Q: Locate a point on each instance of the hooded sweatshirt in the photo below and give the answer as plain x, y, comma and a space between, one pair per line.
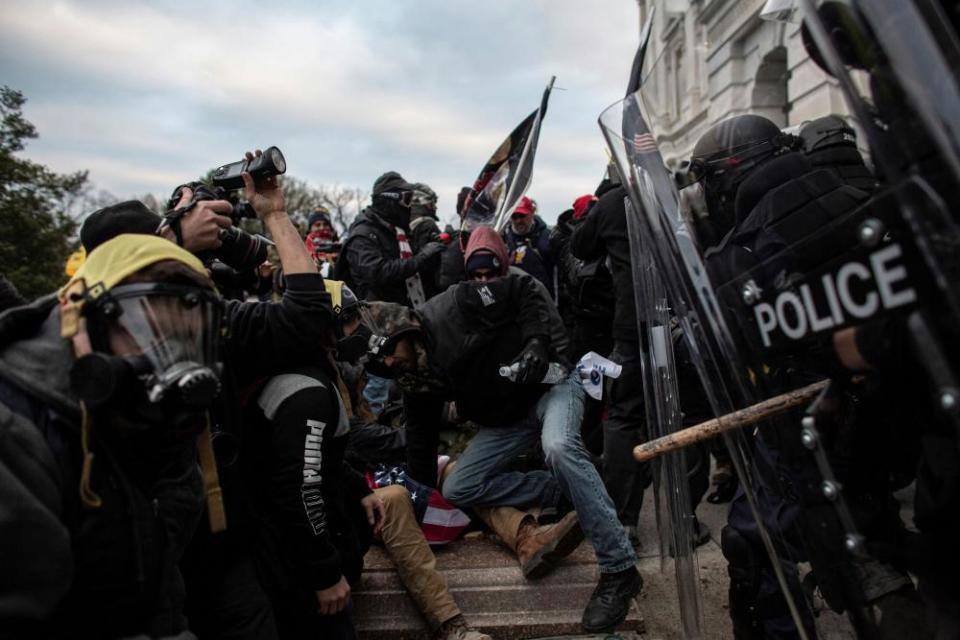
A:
469, 331
486, 239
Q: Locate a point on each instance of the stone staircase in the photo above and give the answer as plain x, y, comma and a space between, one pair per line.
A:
492, 594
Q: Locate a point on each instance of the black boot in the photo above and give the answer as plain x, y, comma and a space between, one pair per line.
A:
610, 601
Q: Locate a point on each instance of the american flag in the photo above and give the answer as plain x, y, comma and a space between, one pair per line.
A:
440, 521
645, 143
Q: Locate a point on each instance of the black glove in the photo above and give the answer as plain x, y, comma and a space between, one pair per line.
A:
429, 250
533, 361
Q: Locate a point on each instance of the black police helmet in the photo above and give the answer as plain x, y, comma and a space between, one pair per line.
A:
734, 134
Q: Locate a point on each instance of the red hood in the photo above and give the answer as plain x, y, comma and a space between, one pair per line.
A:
484, 238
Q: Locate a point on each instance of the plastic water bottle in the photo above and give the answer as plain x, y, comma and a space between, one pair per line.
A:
556, 372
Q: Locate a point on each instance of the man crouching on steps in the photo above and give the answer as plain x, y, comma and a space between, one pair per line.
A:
452, 349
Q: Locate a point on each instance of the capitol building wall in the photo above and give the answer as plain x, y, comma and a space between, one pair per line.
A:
711, 59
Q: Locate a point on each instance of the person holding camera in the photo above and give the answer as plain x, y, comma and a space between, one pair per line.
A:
260, 339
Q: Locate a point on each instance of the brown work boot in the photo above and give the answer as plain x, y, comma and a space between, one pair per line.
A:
539, 549
456, 628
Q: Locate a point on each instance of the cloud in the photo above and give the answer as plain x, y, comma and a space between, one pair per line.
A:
348, 89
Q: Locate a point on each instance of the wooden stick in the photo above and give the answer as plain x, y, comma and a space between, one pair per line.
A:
737, 420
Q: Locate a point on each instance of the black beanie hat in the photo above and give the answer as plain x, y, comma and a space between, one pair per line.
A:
317, 216
391, 181
105, 224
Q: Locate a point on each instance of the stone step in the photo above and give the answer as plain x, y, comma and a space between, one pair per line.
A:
490, 590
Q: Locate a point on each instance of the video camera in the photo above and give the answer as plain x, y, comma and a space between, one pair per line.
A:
239, 250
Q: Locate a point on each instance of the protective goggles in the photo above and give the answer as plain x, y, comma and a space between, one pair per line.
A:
403, 198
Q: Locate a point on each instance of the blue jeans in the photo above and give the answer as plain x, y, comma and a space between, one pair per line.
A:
479, 479
377, 393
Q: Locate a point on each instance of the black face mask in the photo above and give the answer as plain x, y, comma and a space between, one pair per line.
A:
394, 207
351, 348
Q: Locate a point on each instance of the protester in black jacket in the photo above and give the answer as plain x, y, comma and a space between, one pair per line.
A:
310, 508
451, 261
101, 490
451, 266
424, 231
373, 261
604, 232
452, 349
423, 217
585, 298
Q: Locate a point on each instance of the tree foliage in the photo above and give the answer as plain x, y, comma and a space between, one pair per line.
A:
36, 229
303, 198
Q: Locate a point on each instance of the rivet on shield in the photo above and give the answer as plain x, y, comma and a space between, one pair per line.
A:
830, 489
870, 232
809, 438
948, 400
751, 292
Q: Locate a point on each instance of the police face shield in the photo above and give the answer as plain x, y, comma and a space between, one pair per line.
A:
804, 257
165, 335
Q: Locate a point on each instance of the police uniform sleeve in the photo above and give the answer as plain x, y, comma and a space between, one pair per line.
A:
306, 461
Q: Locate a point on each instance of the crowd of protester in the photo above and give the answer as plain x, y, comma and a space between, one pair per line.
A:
195, 443
284, 387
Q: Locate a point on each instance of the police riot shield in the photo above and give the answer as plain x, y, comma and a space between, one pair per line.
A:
820, 319
676, 523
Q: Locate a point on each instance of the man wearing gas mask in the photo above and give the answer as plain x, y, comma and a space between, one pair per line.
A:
259, 339
105, 390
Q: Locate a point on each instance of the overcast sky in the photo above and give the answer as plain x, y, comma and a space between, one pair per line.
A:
147, 95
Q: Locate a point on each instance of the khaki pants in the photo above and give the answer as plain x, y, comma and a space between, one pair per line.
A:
505, 522
415, 561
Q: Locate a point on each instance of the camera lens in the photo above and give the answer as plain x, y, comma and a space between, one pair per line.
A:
241, 250
278, 161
